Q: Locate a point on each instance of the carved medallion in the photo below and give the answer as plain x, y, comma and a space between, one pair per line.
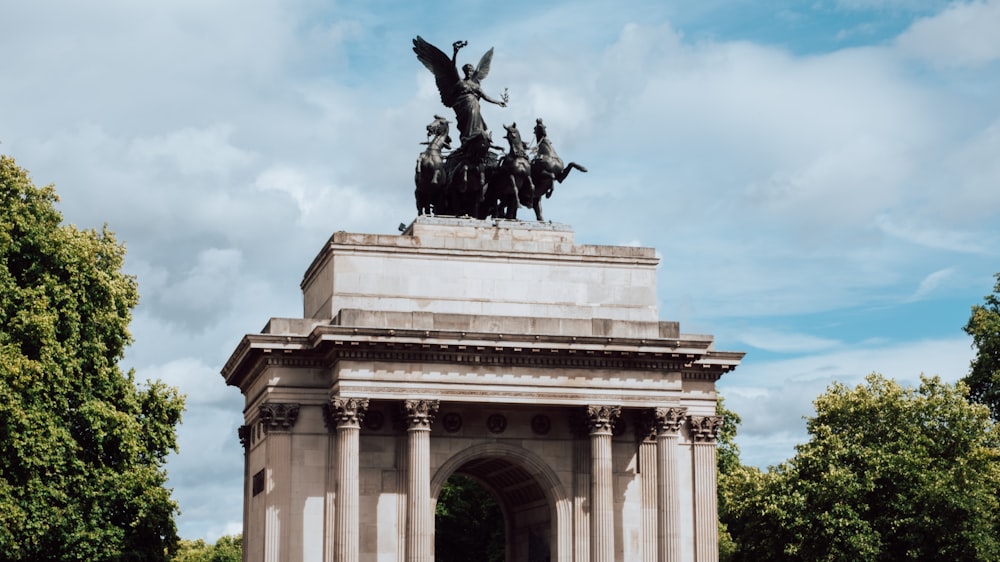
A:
496, 423
541, 424
452, 422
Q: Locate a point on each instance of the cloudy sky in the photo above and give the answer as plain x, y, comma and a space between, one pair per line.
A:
822, 179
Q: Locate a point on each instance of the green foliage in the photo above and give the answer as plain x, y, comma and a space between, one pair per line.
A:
81, 446
728, 461
889, 473
468, 524
984, 372
226, 549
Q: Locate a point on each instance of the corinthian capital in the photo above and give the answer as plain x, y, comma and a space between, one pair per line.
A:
668, 419
705, 429
601, 418
276, 416
347, 411
419, 414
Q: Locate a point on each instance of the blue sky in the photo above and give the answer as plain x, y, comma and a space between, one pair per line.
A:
821, 180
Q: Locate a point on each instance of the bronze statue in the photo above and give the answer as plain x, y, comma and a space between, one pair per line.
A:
460, 94
546, 168
473, 180
511, 183
430, 177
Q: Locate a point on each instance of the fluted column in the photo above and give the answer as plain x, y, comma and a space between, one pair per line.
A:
346, 414
646, 435
668, 516
581, 499
245, 433
704, 431
600, 420
419, 415
277, 420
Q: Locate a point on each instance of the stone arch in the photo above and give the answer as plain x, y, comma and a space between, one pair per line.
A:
534, 478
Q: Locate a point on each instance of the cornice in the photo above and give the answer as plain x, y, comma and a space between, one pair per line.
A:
327, 344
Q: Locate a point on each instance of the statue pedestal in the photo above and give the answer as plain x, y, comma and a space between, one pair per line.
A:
497, 268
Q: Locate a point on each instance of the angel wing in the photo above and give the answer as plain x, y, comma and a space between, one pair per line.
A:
445, 73
483, 68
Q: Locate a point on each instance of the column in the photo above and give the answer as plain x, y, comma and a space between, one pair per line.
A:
600, 419
668, 515
704, 430
419, 415
245, 433
277, 420
346, 414
581, 495
645, 430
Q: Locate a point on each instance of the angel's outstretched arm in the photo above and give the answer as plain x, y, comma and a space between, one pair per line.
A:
501, 103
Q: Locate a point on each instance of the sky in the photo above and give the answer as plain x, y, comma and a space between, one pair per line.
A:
820, 179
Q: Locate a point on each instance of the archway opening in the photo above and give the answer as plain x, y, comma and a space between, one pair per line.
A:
494, 510
468, 523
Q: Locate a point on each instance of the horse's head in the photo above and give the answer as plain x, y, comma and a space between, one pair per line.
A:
438, 127
539, 129
513, 137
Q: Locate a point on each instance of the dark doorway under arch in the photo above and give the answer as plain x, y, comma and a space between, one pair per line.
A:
492, 509
468, 523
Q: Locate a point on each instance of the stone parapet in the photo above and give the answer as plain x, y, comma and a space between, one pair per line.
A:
464, 266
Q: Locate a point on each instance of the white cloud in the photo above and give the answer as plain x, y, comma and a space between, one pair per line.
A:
773, 397
193, 151
931, 283
963, 35
932, 236
785, 342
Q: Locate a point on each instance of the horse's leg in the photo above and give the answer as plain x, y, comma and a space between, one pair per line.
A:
538, 209
511, 206
569, 167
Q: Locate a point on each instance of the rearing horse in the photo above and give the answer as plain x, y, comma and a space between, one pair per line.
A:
430, 177
547, 168
512, 181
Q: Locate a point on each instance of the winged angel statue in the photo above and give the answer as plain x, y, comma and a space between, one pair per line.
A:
460, 94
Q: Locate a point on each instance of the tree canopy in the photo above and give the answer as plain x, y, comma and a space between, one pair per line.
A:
227, 549
889, 473
81, 444
984, 372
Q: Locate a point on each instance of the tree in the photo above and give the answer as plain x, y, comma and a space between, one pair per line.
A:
728, 461
227, 549
469, 524
81, 445
984, 372
889, 473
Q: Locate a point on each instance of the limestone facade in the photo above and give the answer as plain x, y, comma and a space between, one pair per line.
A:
499, 350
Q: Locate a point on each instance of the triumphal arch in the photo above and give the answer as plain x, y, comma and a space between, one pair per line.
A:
500, 350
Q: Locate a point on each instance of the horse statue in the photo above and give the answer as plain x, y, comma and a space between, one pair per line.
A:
469, 171
511, 183
547, 168
430, 177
